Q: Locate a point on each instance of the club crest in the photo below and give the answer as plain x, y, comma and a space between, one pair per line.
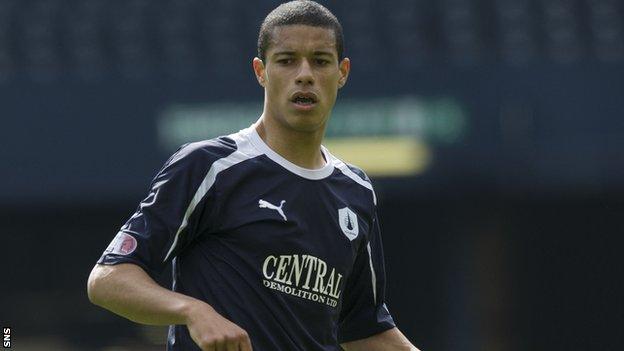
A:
348, 222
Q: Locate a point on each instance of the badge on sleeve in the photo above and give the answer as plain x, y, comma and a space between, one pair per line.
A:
122, 244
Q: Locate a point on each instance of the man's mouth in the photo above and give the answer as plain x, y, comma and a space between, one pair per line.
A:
304, 100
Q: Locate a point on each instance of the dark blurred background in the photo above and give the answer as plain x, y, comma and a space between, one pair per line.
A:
503, 231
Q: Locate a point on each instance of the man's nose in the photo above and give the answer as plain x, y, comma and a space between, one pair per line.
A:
305, 76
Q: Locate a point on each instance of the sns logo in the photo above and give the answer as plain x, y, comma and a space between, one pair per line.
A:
348, 222
6, 338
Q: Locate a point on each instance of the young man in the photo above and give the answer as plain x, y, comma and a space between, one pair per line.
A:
274, 242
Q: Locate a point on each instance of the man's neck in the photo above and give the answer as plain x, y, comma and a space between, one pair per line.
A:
300, 148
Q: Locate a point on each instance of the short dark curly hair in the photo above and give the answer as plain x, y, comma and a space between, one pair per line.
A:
305, 12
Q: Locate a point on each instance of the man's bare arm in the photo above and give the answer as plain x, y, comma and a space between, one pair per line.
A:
390, 340
127, 290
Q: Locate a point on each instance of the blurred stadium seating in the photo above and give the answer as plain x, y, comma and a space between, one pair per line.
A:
133, 39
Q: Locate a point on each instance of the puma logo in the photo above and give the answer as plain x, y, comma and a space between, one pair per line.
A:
266, 204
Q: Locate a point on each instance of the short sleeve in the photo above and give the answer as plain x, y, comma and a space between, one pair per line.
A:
167, 219
364, 312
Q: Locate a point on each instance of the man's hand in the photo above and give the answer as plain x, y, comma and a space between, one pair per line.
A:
213, 332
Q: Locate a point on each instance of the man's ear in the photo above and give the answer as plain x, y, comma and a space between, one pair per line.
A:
259, 70
344, 67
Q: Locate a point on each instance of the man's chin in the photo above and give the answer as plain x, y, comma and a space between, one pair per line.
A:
305, 122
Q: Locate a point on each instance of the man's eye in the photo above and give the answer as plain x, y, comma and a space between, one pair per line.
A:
321, 62
284, 61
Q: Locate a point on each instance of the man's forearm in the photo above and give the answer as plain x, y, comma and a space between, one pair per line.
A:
128, 291
390, 340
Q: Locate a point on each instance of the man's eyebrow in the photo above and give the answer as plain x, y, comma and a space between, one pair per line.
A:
323, 53
283, 53
292, 53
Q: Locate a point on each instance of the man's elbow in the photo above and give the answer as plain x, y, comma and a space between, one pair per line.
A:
95, 284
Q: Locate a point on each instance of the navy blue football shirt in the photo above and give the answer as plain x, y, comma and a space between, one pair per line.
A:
291, 255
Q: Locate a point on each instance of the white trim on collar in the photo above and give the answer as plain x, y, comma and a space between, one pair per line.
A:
313, 174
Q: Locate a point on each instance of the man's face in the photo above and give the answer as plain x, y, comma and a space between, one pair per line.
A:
301, 76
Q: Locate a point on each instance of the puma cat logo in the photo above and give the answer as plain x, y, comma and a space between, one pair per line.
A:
266, 204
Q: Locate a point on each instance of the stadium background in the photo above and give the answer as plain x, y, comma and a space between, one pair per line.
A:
494, 132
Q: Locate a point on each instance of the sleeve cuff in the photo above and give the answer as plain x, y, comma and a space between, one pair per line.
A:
111, 260
363, 333
364, 325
